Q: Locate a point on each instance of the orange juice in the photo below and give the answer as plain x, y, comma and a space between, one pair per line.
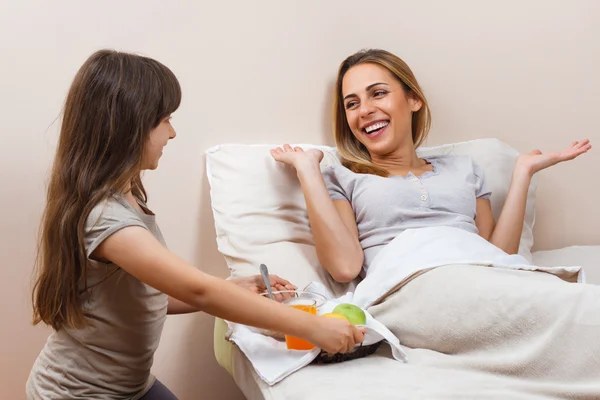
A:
308, 305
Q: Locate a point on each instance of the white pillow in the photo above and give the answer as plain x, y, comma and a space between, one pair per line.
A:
260, 213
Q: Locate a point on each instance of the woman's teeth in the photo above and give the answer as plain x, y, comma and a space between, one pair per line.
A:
375, 127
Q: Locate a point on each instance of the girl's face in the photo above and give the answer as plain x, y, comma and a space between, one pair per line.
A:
378, 110
157, 140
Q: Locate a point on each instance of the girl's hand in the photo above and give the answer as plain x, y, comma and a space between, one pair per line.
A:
296, 157
535, 161
255, 284
335, 335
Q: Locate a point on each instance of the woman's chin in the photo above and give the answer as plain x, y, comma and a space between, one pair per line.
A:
381, 148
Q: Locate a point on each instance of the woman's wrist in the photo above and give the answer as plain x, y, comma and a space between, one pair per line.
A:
307, 168
522, 172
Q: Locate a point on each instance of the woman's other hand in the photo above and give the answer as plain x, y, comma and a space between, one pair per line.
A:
536, 161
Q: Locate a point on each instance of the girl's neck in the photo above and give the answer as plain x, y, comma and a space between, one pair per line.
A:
130, 198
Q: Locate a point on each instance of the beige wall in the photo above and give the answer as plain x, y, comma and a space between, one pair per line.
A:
523, 71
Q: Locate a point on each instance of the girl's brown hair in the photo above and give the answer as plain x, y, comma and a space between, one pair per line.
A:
354, 154
114, 101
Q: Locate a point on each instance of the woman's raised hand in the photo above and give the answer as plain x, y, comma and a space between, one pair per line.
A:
296, 156
536, 161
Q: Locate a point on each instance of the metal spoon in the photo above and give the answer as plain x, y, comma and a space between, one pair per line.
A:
265, 275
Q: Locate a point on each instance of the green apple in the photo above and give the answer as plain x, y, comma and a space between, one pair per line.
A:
352, 313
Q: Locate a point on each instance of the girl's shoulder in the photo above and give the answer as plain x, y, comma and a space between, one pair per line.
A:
113, 207
114, 212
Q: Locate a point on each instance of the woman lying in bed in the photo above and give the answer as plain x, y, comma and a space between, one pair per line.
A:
383, 188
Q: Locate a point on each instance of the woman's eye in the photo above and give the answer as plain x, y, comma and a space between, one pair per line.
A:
379, 93
350, 104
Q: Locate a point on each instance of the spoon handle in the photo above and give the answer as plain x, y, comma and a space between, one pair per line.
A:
265, 275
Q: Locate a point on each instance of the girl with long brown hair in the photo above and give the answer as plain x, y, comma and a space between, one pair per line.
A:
105, 280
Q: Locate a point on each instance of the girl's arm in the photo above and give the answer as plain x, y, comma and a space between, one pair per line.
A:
332, 223
139, 253
254, 284
179, 307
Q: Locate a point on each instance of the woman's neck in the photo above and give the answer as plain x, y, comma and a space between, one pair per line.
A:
399, 162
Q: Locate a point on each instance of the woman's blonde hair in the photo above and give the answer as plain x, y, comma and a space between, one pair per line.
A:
355, 155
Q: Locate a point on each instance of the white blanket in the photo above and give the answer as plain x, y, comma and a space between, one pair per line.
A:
417, 250
411, 253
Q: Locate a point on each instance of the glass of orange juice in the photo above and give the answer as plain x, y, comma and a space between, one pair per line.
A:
304, 304
302, 300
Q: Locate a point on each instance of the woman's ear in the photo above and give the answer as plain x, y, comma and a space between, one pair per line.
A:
414, 102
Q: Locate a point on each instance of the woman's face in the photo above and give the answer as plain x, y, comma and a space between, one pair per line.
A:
157, 140
378, 110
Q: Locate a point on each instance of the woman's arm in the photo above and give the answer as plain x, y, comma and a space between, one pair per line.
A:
506, 233
332, 223
484, 218
139, 253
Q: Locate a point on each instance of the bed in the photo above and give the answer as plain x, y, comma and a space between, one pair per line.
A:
260, 217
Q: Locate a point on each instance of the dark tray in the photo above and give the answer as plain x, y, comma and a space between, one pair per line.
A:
359, 352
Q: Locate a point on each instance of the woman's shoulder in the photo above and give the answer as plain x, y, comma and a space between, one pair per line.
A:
336, 169
447, 157
457, 164
340, 180
344, 175
451, 160
338, 172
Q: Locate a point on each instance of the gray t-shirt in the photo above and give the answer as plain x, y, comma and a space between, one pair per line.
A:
385, 207
110, 359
